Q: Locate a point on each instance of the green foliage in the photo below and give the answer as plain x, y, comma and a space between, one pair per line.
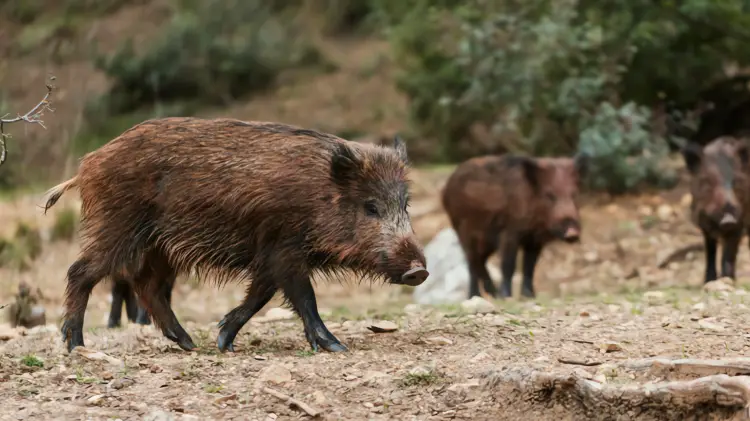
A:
21, 11
212, 51
624, 152
66, 223
540, 76
18, 253
32, 360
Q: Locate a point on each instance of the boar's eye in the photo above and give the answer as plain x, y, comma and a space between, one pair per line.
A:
371, 209
551, 197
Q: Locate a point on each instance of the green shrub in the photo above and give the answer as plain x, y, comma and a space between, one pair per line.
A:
540, 76
212, 51
23, 249
66, 223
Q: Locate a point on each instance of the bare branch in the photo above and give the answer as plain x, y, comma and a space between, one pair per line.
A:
34, 116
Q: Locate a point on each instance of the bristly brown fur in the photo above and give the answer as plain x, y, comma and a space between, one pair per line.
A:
234, 200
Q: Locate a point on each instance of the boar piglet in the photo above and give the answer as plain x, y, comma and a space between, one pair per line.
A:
506, 202
719, 207
229, 199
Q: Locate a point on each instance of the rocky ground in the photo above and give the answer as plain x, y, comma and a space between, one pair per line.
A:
609, 325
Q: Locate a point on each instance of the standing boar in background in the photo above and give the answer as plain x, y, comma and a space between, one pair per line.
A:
719, 208
506, 202
122, 293
236, 199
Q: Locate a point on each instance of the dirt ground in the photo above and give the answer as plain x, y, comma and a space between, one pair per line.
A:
600, 304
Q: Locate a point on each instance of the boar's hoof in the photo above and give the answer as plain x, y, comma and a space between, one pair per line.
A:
225, 341
183, 340
72, 336
328, 346
322, 338
111, 324
414, 276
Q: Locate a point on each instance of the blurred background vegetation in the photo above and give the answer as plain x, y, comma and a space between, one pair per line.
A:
626, 81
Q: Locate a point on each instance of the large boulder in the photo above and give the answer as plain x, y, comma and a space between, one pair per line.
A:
448, 282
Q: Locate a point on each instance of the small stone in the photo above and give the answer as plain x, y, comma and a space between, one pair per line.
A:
412, 308
94, 400
708, 324
260, 357
383, 327
699, 306
497, 321
479, 357
609, 347
275, 374
121, 383
591, 256
106, 375
439, 340
271, 417
477, 305
584, 313
368, 405
721, 284
319, 398
654, 297
420, 371
665, 212
155, 369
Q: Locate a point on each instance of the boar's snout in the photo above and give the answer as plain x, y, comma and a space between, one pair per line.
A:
414, 276
569, 231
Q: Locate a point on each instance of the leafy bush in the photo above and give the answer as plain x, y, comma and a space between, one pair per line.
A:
624, 152
66, 223
212, 51
542, 76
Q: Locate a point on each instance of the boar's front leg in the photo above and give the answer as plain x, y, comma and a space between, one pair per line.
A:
259, 293
531, 252
710, 244
299, 292
730, 245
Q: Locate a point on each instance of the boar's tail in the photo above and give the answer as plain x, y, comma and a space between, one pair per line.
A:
56, 192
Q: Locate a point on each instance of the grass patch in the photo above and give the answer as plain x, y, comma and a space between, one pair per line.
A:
420, 378
32, 361
213, 388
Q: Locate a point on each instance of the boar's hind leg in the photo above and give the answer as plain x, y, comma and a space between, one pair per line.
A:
83, 276
259, 293
531, 252
142, 317
710, 244
120, 291
299, 292
477, 252
729, 247
153, 287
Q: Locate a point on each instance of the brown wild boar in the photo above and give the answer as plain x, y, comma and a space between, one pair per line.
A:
234, 199
506, 202
720, 192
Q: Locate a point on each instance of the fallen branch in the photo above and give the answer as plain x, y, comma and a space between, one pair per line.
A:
34, 116
292, 402
578, 362
697, 399
680, 254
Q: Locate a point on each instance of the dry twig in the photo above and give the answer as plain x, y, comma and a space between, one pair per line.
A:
34, 116
680, 254
578, 362
292, 402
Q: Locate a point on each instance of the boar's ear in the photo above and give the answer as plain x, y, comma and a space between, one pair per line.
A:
400, 146
530, 169
581, 163
692, 153
344, 165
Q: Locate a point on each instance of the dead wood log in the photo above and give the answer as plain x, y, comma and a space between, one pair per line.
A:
711, 397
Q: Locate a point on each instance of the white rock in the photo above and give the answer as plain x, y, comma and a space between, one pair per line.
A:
448, 282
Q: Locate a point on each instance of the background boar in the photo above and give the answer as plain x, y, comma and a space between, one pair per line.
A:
503, 202
719, 208
238, 199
